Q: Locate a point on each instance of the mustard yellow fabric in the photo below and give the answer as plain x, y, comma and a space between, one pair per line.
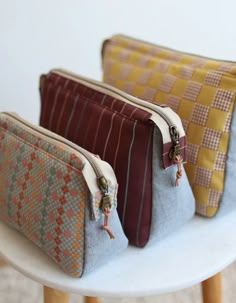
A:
200, 90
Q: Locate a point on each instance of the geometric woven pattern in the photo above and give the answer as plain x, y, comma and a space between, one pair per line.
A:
200, 114
167, 83
42, 196
222, 100
213, 79
192, 90
200, 90
211, 138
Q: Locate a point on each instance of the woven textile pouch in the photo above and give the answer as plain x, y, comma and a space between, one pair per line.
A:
202, 92
138, 139
59, 196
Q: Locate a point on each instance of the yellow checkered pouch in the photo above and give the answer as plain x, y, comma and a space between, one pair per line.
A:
202, 92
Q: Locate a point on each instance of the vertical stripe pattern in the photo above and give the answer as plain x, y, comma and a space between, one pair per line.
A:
144, 189
118, 132
71, 115
53, 107
128, 174
109, 133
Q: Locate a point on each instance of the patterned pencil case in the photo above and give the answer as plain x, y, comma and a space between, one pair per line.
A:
60, 196
144, 143
202, 91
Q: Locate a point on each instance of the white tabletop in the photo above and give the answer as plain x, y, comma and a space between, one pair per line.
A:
199, 250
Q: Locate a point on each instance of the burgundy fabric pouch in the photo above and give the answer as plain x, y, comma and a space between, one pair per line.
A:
120, 129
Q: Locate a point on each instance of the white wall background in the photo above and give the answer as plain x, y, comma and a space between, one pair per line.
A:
37, 35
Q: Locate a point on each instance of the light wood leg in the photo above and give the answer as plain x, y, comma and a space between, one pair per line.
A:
212, 289
91, 300
55, 296
2, 263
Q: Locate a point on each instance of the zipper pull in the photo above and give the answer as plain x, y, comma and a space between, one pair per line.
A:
106, 209
178, 161
175, 153
105, 205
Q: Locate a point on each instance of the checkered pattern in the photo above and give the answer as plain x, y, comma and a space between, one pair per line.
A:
211, 138
213, 79
108, 67
144, 77
143, 61
153, 51
220, 160
223, 99
123, 55
192, 91
199, 62
228, 123
162, 66
149, 94
192, 153
214, 198
124, 73
175, 56
226, 67
201, 209
173, 102
203, 177
129, 87
211, 85
167, 83
186, 72
200, 114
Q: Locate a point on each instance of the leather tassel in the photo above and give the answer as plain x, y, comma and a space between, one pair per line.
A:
106, 226
178, 161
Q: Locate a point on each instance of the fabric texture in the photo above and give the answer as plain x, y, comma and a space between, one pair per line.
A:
172, 206
31, 202
200, 90
44, 195
118, 132
104, 250
227, 203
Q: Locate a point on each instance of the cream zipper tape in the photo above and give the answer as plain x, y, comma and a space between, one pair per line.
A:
163, 117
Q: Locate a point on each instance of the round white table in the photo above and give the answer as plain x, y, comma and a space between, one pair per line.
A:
202, 248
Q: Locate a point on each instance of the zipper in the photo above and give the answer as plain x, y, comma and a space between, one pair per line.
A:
101, 180
154, 109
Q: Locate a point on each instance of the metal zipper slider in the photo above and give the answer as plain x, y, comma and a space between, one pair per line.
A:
175, 153
105, 205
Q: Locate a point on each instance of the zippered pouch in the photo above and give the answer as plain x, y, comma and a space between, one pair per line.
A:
144, 143
60, 196
202, 92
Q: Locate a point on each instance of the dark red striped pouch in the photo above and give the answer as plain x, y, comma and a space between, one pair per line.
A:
144, 143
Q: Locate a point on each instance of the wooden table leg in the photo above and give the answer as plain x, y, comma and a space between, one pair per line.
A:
91, 300
55, 296
212, 289
2, 263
